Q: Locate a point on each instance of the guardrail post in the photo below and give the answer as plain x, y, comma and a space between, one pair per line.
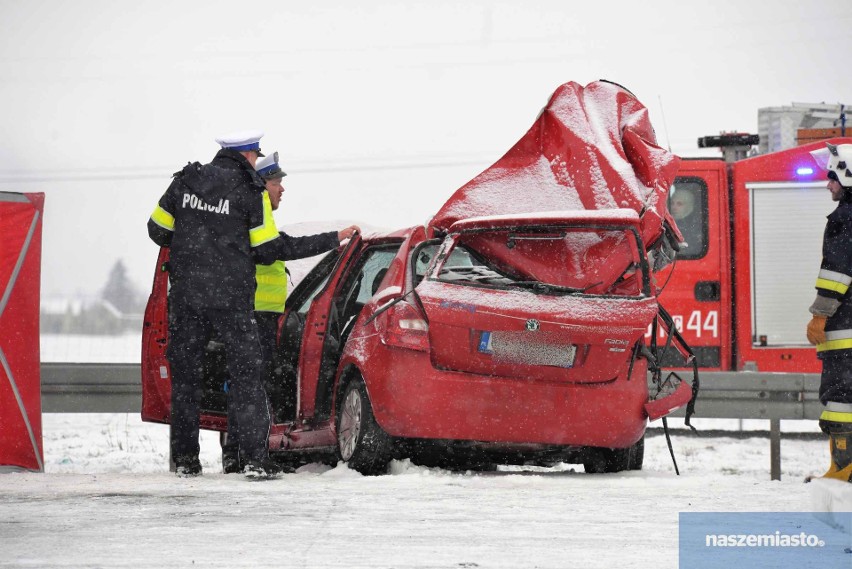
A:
172, 465
775, 449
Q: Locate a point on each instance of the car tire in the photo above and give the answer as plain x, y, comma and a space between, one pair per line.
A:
361, 442
606, 460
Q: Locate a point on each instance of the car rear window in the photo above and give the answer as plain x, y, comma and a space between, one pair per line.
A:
565, 260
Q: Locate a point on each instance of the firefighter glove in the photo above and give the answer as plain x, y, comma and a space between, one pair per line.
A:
816, 330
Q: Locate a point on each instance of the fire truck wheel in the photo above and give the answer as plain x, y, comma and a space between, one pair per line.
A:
602, 460
361, 442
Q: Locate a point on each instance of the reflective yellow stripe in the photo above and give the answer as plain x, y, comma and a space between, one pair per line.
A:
843, 344
836, 340
163, 218
834, 286
836, 416
266, 232
271, 293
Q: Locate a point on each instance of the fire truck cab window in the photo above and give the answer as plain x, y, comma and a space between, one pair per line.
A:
688, 206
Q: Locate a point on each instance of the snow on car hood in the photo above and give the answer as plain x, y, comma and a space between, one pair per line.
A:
591, 148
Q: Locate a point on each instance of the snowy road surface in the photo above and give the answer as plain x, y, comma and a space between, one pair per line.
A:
107, 500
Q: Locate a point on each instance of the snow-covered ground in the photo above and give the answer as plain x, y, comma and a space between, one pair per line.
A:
117, 349
106, 499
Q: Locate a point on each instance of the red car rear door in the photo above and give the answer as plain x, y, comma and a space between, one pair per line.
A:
156, 383
317, 325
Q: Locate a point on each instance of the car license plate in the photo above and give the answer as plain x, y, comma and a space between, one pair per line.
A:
485, 343
517, 348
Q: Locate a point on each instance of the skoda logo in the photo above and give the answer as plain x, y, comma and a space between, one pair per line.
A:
533, 324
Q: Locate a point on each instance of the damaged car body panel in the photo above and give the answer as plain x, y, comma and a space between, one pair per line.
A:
591, 148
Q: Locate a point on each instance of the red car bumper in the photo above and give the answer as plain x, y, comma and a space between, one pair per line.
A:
413, 399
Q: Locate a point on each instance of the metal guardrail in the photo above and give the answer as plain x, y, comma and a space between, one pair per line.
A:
759, 395
117, 388
91, 388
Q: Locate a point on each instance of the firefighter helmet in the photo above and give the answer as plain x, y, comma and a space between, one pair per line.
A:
837, 159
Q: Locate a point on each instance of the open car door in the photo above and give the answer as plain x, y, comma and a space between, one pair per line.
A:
156, 383
322, 333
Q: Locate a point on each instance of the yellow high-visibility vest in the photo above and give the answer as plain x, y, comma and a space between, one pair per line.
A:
271, 293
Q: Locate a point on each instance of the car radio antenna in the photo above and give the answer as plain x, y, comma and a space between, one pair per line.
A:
665, 125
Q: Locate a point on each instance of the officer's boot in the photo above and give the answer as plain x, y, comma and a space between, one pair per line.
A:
231, 463
840, 446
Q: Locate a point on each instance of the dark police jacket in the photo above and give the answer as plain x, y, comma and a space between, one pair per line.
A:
834, 280
217, 220
291, 248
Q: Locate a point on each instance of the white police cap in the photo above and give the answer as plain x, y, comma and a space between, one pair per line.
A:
242, 141
268, 167
837, 159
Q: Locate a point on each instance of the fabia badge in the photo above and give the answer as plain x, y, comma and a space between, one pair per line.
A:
533, 324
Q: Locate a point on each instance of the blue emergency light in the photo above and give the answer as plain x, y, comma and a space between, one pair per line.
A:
804, 171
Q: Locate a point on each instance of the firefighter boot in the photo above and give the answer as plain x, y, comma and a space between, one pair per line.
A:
840, 446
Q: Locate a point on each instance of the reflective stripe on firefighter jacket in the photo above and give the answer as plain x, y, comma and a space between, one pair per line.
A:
217, 221
837, 412
271, 294
834, 280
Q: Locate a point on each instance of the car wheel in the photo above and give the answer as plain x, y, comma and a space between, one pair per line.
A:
637, 455
361, 442
601, 460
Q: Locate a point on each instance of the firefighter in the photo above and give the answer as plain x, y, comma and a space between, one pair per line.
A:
830, 329
217, 221
271, 293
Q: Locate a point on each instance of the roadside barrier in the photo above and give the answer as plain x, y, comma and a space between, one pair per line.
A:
117, 388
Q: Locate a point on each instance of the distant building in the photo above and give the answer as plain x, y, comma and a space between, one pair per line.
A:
785, 127
86, 316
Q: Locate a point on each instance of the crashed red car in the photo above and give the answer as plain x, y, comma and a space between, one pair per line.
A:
511, 328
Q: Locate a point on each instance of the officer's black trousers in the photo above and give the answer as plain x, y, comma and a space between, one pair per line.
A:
190, 328
267, 328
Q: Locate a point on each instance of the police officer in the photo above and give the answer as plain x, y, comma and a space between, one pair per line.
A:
217, 220
271, 293
830, 329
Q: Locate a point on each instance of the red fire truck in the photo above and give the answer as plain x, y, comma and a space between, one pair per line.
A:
740, 291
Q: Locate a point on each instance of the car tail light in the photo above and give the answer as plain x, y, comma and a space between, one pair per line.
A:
405, 327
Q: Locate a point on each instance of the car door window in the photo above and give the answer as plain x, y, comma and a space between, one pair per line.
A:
300, 299
306, 304
373, 272
364, 281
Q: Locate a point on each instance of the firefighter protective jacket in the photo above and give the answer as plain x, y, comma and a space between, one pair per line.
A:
217, 220
271, 294
833, 282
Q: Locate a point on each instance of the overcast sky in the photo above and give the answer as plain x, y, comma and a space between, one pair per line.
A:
380, 109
